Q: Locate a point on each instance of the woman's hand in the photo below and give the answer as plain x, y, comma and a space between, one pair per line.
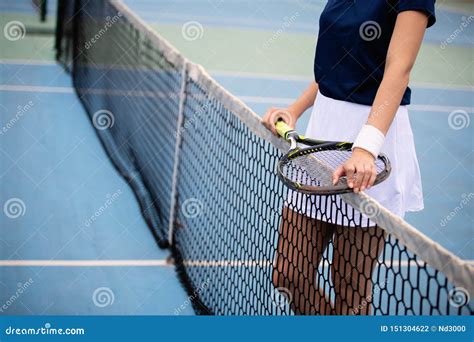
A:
293, 112
274, 114
359, 169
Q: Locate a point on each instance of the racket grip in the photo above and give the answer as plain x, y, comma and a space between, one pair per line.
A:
282, 128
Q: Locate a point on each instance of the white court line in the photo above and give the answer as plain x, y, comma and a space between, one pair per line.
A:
84, 263
227, 263
163, 262
439, 109
306, 79
441, 86
247, 99
421, 108
27, 62
255, 75
69, 90
273, 77
36, 89
449, 8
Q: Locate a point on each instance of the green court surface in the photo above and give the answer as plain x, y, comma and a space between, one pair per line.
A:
33, 46
291, 54
466, 6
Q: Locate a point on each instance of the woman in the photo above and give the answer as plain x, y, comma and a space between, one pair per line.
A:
364, 55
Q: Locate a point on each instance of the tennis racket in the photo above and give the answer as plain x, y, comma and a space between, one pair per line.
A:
309, 169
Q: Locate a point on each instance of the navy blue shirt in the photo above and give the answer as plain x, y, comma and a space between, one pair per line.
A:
353, 41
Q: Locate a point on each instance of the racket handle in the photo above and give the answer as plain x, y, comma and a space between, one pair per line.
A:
282, 128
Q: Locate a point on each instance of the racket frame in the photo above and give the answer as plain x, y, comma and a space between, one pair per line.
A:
314, 146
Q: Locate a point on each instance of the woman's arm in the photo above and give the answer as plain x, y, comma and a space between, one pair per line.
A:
294, 111
404, 46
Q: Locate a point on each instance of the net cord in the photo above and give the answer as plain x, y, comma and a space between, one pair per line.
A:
179, 134
460, 272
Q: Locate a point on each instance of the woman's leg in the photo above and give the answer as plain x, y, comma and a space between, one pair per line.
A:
301, 244
356, 251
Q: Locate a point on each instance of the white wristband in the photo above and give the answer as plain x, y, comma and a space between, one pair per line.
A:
370, 139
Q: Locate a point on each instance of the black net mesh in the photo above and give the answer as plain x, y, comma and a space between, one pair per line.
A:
131, 93
64, 33
41, 7
243, 244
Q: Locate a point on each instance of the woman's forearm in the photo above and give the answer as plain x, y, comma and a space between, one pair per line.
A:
305, 101
387, 100
404, 46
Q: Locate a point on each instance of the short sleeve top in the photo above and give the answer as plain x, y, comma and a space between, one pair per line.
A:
353, 41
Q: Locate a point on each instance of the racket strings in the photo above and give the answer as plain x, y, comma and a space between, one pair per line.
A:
316, 169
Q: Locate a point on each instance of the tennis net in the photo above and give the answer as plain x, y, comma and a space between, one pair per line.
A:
41, 7
203, 169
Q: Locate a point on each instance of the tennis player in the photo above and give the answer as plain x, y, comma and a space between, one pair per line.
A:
364, 55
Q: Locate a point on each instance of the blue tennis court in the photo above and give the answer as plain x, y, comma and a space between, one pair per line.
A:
75, 237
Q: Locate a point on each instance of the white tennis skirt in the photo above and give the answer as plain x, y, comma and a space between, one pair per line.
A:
335, 120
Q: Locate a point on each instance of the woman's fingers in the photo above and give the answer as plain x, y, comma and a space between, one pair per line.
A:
340, 171
373, 176
273, 115
267, 120
364, 168
349, 169
360, 175
283, 114
367, 173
